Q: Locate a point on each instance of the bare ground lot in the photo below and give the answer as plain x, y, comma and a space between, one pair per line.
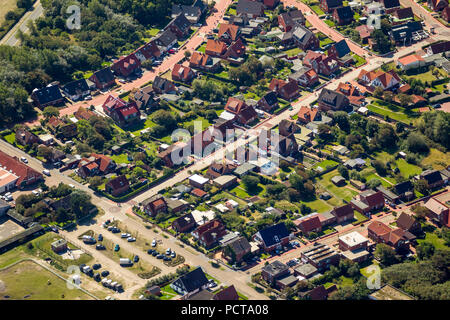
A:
8, 228
29, 281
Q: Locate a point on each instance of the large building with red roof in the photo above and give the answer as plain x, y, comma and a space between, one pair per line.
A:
123, 113
14, 173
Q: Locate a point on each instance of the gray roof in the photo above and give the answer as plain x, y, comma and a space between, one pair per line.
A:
306, 270
275, 267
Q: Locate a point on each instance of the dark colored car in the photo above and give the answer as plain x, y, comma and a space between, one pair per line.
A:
160, 256
149, 251
155, 253
96, 266
100, 247
136, 258
105, 273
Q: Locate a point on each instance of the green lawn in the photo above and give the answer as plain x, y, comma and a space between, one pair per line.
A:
318, 205
293, 52
240, 191
326, 163
437, 159
29, 281
434, 239
153, 32
426, 76
407, 169
359, 61
359, 217
340, 192
120, 158
391, 114
329, 22
317, 10
10, 138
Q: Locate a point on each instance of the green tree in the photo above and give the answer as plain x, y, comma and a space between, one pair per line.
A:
385, 254
250, 183
50, 112
425, 250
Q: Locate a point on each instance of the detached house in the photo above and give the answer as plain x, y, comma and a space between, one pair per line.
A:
286, 90
305, 77
192, 13
15, 173
48, 96
154, 205
272, 237
437, 211
83, 114
437, 5
343, 213
408, 223
125, 66
308, 224
228, 32
148, 51
204, 62
332, 100
251, 9
161, 85
76, 90
180, 26
385, 80
209, 233
26, 138
306, 114
236, 250
397, 239
321, 63
432, 177
215, 48
274, 271
329, 5
182, 73
217, 169
103, 78
244, 113
184, 223
405, 190
304, 38
412, 61
343, 15
290, 19
268, 102
96, 164
391, 5
190, 283
117, 186
368, 202
166, 40
123, 113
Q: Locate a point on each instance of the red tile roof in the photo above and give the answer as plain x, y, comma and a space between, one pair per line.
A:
379, 228
24, 172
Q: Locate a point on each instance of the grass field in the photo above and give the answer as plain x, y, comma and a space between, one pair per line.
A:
27, 280
407, 169
318, 205
317, 10
359, 61
120, 158
341, 192
10, 138
359, 217
6, 6
437, 159
434, 239
240, 191
399, 116
293, 52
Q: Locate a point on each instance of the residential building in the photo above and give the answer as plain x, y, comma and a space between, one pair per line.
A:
215, 48
180, 26
235, 250
274, 271
308, 224
59, 246
103, 78
391, 5
162, 85
354, 247
365, 32
166, 40
154, 205
408, 223
148, 51
198, 181
184, 223
432, 177
204, 62
16, 173
288, 20
385, 80
329, 5
117, 186
227, 294
190, 283
438, 47
388, 194
286, 90
306, 271
412, 61
76, 90
368, 202
320, 256
26, 138
182, 73
244, 114
332, 100
225, 181
437, 211
48, 96
251, 9
272, 237
306, 114
209, 233
343, 15
83, 114
269, 102
437, 5
143, 97
304, 38
343, 213
126, 65
123, 113
339, 49
397, 239
217, 169
228, 32
305, 77
405, 190
94, 165
192, 13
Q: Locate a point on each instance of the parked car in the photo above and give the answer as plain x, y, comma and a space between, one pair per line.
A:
105, 273
173, 255
155, 253
149, 251
168, 251
212, 283
131, 239
96, 266
116, 247
100, 247
160, 256
100, 237
167, 258
154, 243
136, 258
24, 160
46, 172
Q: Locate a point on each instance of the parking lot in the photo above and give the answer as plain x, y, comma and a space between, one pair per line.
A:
8, 228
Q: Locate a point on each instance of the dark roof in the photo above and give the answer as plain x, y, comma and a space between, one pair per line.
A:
118, 182
229, 293
432, 176
343, 210
76, 87
405, 221
404, 13
440, 47
303, 34
270, 98
200, 4
181, 22
333, 98
161, 83
402, 187
104, 75
333, 3
193, 280
249, 7
274, 234
63, 203
275, 268
48, 94
388, 4
342, 48
344, 13
240, 245
184, 221
166, 38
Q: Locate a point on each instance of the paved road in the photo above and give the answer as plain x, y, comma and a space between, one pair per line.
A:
11, 37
